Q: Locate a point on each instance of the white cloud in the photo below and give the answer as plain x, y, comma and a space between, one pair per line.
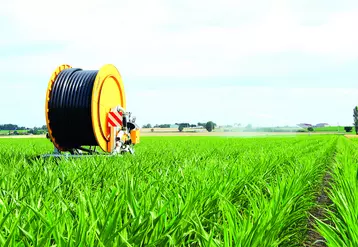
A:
186, 38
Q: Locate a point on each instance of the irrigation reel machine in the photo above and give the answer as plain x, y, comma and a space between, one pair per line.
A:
86, 109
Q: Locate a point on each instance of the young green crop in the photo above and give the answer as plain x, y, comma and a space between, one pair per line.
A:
191, 191
342, 229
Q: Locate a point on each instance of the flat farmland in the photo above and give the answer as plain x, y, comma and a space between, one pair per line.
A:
183, 191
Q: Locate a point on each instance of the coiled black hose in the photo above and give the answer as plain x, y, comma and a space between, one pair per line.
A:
70, 108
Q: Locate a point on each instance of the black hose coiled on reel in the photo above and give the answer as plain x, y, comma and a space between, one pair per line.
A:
70, 108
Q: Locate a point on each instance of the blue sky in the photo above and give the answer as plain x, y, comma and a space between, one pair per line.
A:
260, 62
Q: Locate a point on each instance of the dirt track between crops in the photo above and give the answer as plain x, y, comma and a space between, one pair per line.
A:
323, 201
351, 136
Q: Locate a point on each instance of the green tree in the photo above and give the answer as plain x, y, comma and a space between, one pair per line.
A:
185, 125
210, 126
181, 127
348, 128
355, 117
202, 124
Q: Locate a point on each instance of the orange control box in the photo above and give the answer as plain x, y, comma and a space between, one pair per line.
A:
135, 136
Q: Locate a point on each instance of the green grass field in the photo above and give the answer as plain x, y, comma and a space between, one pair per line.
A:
181, 191
330, 129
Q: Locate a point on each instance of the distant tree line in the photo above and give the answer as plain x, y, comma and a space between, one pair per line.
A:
14, 129
209, 126
148, 126
162, 126
186, 125
11, 127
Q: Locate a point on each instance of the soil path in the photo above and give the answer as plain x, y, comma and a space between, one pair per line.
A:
322, 201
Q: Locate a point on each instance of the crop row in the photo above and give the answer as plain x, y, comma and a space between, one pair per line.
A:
340, 228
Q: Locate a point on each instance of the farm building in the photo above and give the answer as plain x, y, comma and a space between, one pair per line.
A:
322, 125
304, 125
